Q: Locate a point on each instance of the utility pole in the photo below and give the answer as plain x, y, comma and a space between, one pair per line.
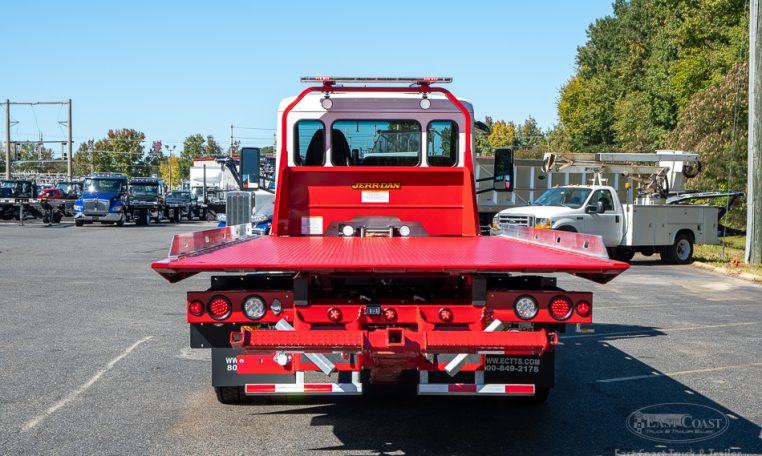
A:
7, 139
230, 151
68, 156
754, 193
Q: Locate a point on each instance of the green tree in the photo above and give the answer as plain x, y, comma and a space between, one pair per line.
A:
714, 125
120, 151
503, 134
196, 146
529, 134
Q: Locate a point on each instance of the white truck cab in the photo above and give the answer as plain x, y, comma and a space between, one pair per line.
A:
671, 230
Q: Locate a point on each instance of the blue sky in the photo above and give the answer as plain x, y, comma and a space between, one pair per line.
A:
171, 69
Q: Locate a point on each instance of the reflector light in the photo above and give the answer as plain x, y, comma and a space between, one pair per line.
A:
390, 314
276, 307
526, 307
220, 308
445, 314
196, 308
254, 307
583, 308
348, 230
334, 314
404, 231
560, 308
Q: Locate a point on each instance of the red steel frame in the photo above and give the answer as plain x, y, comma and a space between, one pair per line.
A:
328, 87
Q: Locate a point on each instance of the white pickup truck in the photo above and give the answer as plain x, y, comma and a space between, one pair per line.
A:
669, 229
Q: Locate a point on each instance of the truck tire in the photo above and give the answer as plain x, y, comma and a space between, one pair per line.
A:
567, 228
681, 252
79, 223
230, 394
621, 254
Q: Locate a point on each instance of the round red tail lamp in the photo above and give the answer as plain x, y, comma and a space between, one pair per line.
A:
560, 308
196, 308
220, 307
583, 308
445, 314
390, 314
334, 314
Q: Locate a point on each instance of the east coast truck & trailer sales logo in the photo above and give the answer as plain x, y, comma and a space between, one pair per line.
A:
677, 423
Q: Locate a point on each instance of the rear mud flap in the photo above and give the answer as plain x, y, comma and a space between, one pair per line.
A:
534, 370
225, 367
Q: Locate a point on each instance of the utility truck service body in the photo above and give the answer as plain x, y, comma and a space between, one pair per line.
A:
648, 223
375, 270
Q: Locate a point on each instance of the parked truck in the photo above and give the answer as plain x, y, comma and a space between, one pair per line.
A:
146, 200
644, 223
375, 271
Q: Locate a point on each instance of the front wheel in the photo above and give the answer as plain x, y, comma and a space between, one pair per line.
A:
79, 223
621, 254
681, 252
230, 394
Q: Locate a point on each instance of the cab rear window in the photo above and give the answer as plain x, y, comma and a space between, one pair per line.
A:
376, 143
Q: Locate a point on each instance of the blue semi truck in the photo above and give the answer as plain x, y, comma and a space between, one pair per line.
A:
112, 198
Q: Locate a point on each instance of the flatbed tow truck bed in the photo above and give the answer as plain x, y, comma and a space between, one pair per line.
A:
403, 255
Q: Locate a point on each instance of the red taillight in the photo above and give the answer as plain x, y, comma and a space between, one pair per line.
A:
220, 308
390, 314
196, 308
560, 308
583, 308
445, 314
334, 314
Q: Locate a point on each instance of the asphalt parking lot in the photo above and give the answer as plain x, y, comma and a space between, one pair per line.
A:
95, 361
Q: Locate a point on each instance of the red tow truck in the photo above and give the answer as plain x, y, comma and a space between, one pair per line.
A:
375, 271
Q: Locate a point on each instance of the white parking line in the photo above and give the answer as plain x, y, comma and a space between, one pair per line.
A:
675, 374
73, 395
633, 333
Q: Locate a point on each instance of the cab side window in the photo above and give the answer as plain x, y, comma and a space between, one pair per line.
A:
442, 143
605, 197
309, 143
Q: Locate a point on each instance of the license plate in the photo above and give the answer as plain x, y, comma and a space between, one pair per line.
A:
372, 310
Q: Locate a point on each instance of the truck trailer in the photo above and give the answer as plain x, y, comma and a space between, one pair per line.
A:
375, 271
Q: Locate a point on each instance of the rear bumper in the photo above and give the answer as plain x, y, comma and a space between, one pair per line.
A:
396, 340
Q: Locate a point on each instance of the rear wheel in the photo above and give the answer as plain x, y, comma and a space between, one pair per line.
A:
230, 394
681, 252
567, 228
79, 222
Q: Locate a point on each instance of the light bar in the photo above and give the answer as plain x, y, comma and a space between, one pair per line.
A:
359, 80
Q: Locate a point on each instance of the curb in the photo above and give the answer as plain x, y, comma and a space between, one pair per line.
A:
729, 272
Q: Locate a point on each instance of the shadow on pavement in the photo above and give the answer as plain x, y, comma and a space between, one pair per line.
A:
582, 416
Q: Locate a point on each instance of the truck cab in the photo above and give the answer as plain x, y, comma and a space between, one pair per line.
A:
146, 200
103, 200
578, 208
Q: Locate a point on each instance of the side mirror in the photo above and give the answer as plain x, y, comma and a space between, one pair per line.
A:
250, 167
597, 208
481, 126
503, 170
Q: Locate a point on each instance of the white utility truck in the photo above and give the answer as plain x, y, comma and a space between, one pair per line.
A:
646, 225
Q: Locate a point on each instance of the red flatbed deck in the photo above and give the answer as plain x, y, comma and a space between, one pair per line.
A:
393, 255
